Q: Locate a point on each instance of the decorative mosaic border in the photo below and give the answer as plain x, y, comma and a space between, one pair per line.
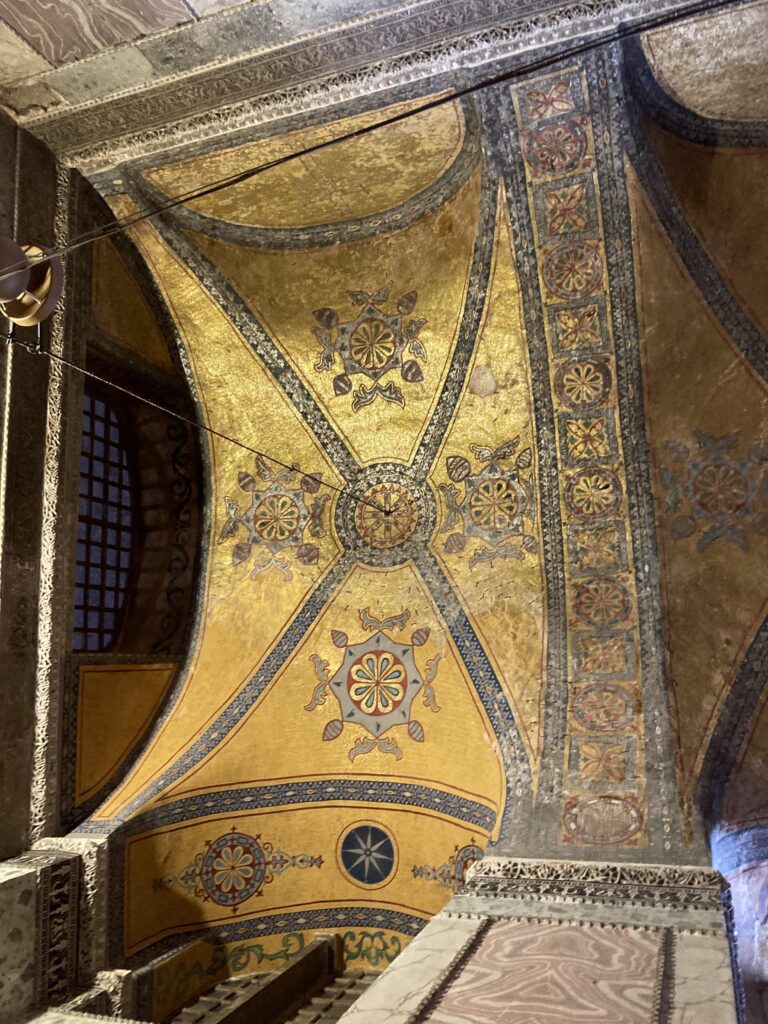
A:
287, 794
559, 118
327, 919
437, 36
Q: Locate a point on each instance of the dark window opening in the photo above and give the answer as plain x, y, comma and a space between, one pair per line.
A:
105, 527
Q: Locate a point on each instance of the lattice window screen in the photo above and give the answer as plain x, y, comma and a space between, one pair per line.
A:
105, 527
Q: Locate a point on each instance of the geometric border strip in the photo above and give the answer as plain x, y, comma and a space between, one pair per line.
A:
269, 85
328, 918
254, 798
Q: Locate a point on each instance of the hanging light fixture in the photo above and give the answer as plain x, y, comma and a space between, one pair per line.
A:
31, 282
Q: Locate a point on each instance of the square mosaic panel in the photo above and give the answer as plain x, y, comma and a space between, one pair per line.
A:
579, 328
566, 208
596, 549
588, 437
602, 655
547, 98
604, 764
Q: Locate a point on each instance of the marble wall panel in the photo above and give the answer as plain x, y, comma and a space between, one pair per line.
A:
411, 978
703, 987
17, 940
17, 58
555, 973
67, 30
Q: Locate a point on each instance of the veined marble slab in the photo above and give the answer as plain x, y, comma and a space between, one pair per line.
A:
405, 985
703, 985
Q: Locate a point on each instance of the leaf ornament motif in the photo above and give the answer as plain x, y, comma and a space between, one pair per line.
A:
508, 448
393, 621
407, 303
453, 502
390, 747
361, 746
233, 519
365, 396
482, 452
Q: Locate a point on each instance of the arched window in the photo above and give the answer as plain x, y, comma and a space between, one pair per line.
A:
105, 526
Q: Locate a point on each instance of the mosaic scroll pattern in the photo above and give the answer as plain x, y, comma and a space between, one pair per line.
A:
603, 797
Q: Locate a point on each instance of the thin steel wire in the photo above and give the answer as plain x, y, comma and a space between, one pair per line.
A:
122, 224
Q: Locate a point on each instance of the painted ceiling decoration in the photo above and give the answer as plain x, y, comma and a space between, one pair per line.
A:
510, 589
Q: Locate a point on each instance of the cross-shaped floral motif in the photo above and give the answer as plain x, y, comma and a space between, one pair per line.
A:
567, 209
602, 761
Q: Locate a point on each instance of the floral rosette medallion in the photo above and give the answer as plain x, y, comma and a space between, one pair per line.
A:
277, 519
233, 868
376, 684
371, 345
493, 503
714, 495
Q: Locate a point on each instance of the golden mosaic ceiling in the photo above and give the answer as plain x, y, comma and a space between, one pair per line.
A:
507, 586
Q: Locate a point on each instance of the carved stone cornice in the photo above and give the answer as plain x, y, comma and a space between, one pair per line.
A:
381, 53
644, 885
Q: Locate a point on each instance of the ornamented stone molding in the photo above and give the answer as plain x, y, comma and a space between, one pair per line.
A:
45, 765
583, 882
52, 879
439, 37
94, 895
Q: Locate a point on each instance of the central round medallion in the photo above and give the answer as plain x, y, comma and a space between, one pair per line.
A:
276, 518
233, 869
377, 682
372, 344
493, 504
367, 854
386, 516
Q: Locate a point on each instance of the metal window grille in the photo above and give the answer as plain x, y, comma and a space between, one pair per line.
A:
104, 528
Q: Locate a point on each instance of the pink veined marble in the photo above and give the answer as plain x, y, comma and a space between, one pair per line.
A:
541, 973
